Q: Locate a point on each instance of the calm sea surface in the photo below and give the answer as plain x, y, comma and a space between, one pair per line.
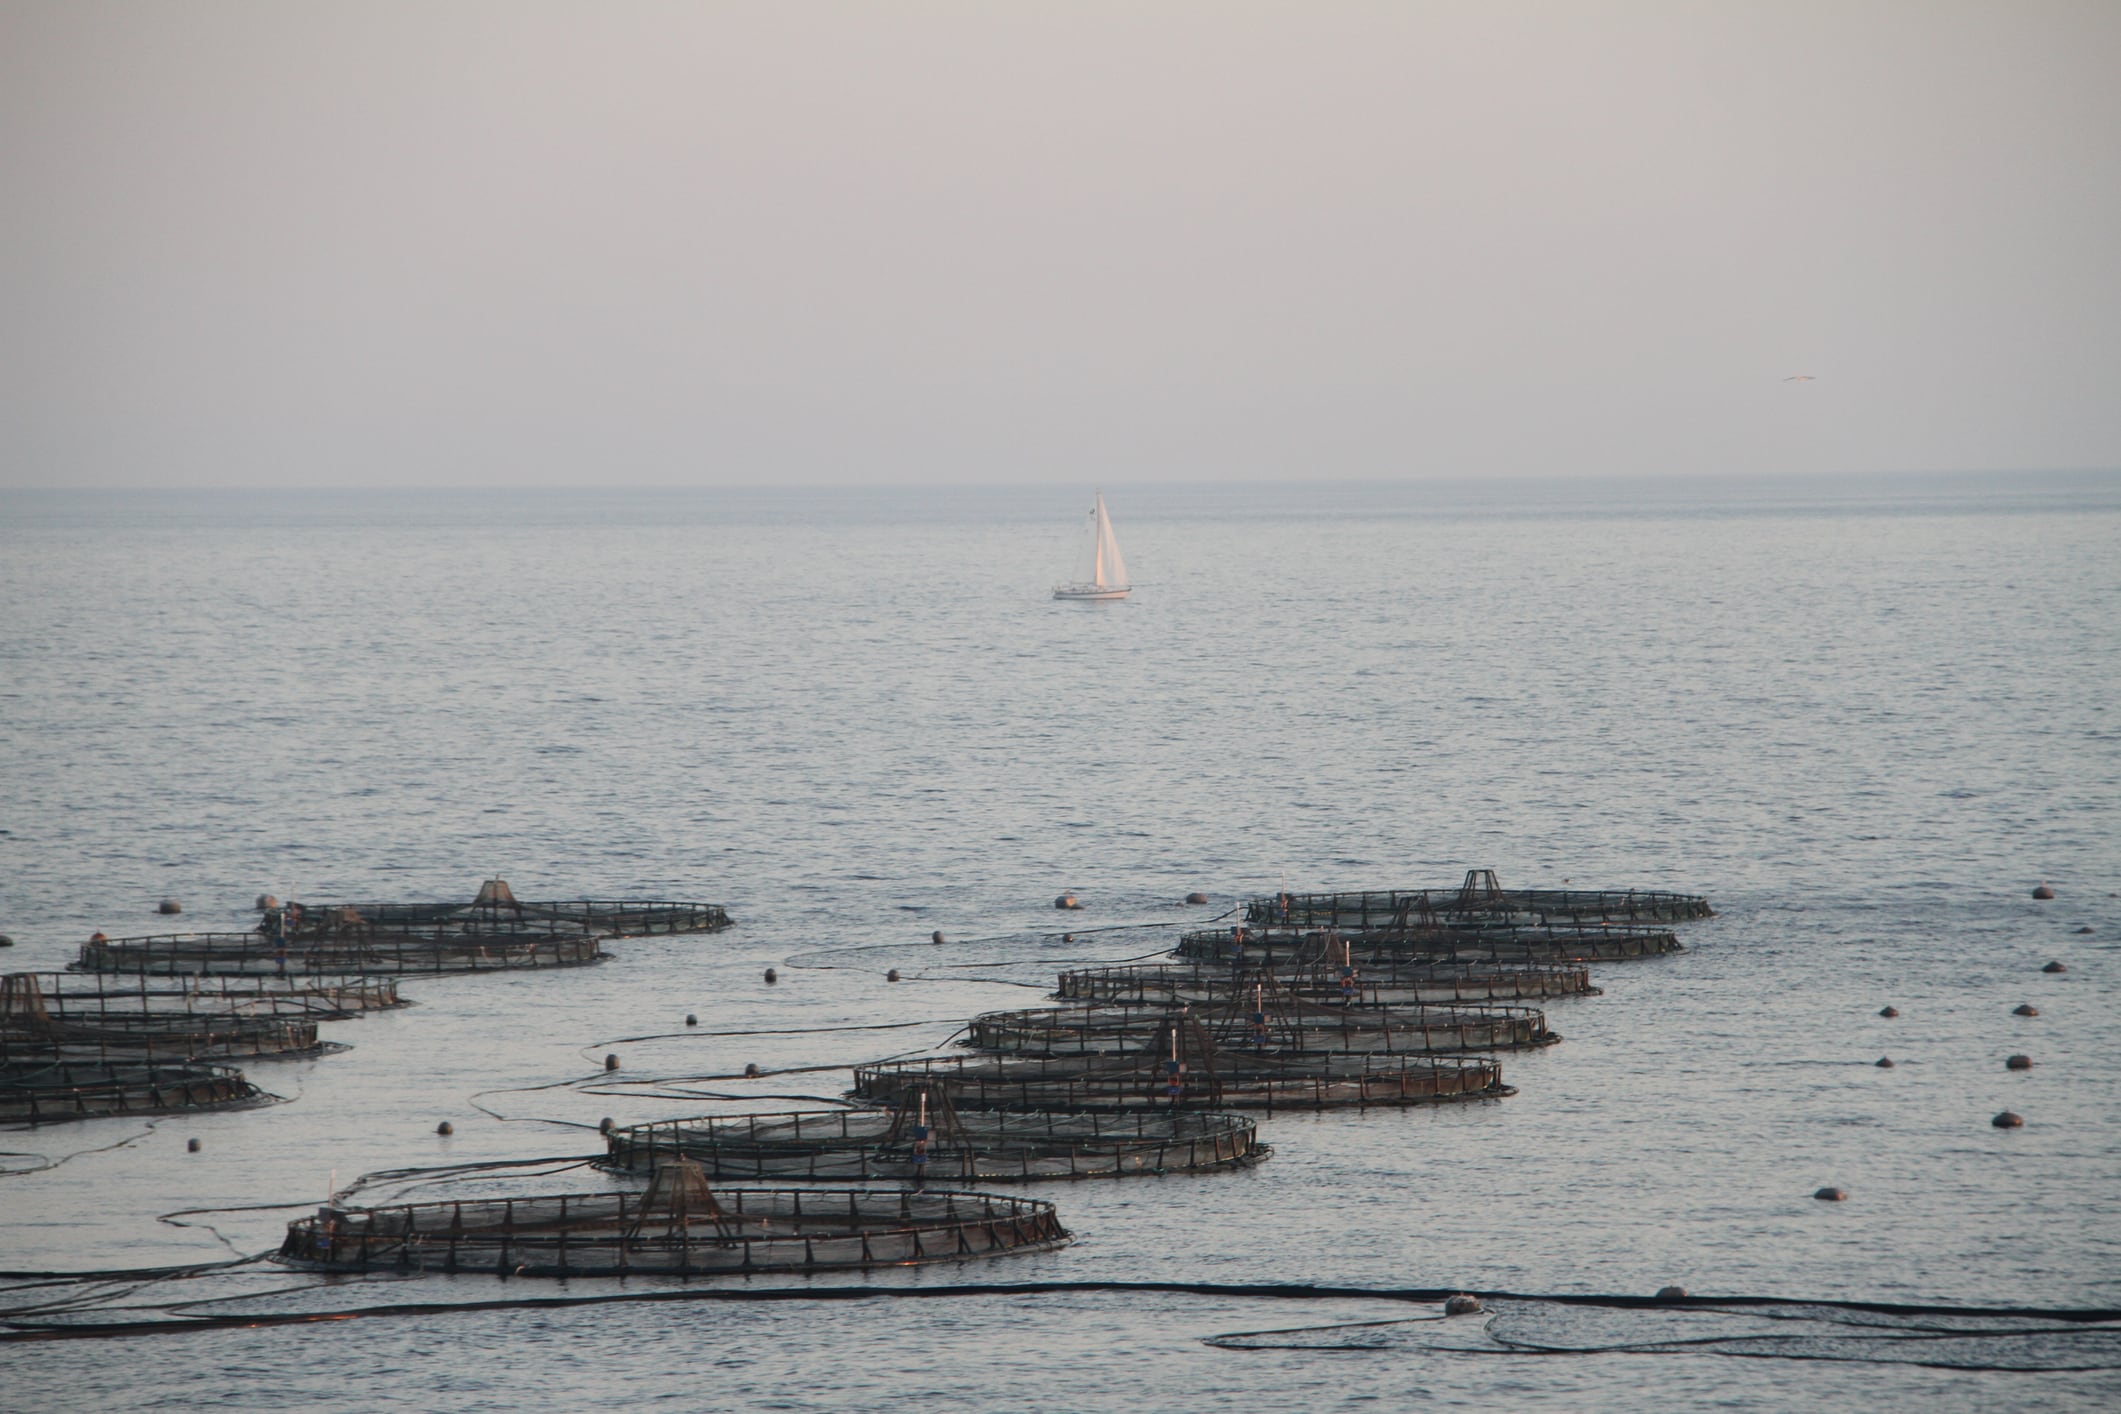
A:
1865, 717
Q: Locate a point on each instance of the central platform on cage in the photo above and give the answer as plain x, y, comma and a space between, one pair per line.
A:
680, 1227
925, 1138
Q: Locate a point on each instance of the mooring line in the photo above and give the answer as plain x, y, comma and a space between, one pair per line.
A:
51, 1163
689, 1032
2075, 1317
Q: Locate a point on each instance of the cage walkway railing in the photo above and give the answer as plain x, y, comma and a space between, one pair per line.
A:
34, 1091
1376, 985
255, 955
982, 1146
617, 1234
1234, 1082
1478, 895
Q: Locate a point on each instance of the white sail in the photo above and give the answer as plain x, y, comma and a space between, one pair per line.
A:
1111, 568
1100, 569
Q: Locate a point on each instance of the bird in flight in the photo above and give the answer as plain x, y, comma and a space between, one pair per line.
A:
1800, 378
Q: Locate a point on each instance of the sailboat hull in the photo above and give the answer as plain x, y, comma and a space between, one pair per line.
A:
1090, 591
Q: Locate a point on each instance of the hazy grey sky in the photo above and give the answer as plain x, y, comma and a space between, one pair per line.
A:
297, 244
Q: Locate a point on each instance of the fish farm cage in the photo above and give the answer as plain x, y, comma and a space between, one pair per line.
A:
125, 1029
1550, 946
680, 1227
1479, 896
1146, 1081
47, 1088
496, 903
95, 996
925, 1137
1406, 984
447, 950
1267, 1023
190, 1038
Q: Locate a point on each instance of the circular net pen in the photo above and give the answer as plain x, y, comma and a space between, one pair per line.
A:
679, 1227
1181, 1068
633, 918
497, 904
91, 995
1264, 1023
176, 1038
47, 1088
447, 949
1247, 946
1404, 984
925, 1137
1480, 896
121, 1025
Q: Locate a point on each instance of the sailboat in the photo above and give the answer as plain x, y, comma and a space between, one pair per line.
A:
1100, 573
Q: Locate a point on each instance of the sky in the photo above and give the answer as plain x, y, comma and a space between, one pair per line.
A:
283, 244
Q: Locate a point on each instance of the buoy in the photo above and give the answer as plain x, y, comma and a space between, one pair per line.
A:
604, 1125
1462, 1305
2054, 967
1831, 1195
772, 976
265, 902
691, 1019
2019, 1063
936, 937
1889, 1011
751, 1068
192, 1146
1671, 1293
169, 905
2028, 1009
1196, 898
2007, 1120
611, 1062
892, 975
1066, 901
445, 1129
2043, 892
1885, 1062
99, 937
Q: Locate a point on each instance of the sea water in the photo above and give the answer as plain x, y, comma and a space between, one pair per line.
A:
1866, 717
